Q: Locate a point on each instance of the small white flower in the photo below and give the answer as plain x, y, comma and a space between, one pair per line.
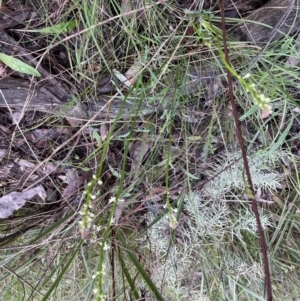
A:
95, 275
173, 223
106, 247
112, 200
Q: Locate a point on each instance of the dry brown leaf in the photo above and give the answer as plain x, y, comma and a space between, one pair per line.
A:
15, 200
3, 70
294, 59
137, 151
133, 72
4, 129
258, 197
74, 122
28, 166
74, 182
103, 131
119, 210
126, 8
265, 113
17, 117
84, 233
40, 137
3, 153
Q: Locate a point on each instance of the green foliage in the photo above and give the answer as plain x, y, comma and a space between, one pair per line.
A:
18, 65
60, 28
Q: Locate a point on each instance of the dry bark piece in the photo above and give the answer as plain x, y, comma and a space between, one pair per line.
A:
15, 92
268, 16
10, 19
